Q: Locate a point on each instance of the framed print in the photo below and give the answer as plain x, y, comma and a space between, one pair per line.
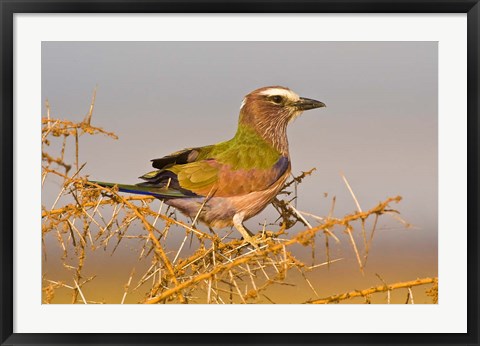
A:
260, 168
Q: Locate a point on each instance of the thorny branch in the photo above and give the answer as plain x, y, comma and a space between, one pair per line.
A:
219, 269
366, 292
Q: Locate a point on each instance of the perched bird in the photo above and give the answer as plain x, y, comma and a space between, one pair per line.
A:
229, 182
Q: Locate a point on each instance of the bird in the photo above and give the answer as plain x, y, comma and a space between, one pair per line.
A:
227, 183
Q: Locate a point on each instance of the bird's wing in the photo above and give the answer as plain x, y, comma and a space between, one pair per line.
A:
192, 173
165, 178
180, 157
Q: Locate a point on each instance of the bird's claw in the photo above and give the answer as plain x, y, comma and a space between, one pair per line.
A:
252, 241
260, 238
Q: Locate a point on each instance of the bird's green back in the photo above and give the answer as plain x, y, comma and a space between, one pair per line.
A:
246, 156
246, 150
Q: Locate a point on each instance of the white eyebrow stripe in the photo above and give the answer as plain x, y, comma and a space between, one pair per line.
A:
282, 92
243, 102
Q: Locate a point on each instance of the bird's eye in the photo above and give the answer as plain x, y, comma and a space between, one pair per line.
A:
277, 99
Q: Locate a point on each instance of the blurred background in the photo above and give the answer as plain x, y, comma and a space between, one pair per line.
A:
379, 129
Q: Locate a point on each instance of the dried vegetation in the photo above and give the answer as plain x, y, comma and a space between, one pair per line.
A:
203, 267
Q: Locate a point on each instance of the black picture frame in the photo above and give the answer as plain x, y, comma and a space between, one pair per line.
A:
10, 7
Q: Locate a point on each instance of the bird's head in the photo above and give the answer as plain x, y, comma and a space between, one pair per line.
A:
274, 104
268, 110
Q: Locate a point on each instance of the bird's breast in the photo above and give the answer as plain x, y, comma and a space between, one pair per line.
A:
218, 211
240, 182
254, 202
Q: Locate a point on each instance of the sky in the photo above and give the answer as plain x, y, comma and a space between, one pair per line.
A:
379, 128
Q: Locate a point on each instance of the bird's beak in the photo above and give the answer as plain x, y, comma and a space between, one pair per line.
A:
305, 104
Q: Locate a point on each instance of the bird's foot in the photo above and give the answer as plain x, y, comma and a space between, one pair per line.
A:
247, 235
252, 241
264, 237
260, 239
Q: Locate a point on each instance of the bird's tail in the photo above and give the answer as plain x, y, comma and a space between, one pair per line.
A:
158, 192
